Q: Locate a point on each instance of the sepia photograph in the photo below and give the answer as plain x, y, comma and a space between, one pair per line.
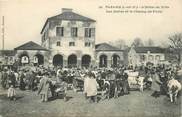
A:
90, 58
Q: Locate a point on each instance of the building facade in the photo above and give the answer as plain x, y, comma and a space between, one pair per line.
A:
7, 57
31, 53
70, 37
145, 55
68, 40
108, 56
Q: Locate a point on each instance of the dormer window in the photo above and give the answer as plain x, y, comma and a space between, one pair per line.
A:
60, 31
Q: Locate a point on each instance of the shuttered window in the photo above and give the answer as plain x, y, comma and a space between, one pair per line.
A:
89, 32
59, 31
58, 43
87, 44
71, 43
74, 31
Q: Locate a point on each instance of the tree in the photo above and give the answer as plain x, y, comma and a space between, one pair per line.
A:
137, 42
120, 43
150, 42
176, 44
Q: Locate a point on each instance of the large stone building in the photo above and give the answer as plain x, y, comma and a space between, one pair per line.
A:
68, 40
70, 37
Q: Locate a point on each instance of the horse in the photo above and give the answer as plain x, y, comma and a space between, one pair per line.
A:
173, 89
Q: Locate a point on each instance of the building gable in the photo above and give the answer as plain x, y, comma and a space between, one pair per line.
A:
68, 15
30, 46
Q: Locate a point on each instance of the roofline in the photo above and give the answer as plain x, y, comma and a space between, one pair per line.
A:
149, 47
151, 52
44, 26
31, 49
50, 18
109, 50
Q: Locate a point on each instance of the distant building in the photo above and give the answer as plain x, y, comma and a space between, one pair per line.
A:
108, 56
7, 57
31, 53
143, 55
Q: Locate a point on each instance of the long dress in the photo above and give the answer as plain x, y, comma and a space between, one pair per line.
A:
156, 83
44, 88
92, 87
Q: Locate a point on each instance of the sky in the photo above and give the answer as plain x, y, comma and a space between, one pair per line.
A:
24, 19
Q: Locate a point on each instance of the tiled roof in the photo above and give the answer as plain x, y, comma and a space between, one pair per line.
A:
30, 46
69, 15
151, 49
7, 53
106, 47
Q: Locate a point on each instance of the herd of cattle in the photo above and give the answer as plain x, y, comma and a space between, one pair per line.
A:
111, 82
115, 83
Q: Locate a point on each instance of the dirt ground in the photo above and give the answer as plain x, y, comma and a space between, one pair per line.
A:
136, 104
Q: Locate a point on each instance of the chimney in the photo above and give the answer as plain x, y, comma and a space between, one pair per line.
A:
66, 10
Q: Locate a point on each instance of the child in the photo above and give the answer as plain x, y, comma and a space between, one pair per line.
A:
11, 93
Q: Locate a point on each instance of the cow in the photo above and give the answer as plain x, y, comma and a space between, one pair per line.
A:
135, 79
173, 89
106, 88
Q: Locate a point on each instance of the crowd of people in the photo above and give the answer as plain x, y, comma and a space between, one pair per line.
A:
112, 82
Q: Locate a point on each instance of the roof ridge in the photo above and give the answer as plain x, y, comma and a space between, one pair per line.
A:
30, 45
69, 15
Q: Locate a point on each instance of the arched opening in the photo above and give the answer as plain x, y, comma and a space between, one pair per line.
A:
58, 60
86, 59
72, 61
151, 58
38, 59
115, 60
103, 61
24, 59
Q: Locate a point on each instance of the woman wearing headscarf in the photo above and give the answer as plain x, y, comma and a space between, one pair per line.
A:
92, 88
44, 87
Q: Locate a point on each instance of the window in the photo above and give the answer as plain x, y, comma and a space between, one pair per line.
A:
58, 43
59, 31
89, 32
71, 43
87, 44
24, 59
157, 57
74, 31
151, 58
35, 59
